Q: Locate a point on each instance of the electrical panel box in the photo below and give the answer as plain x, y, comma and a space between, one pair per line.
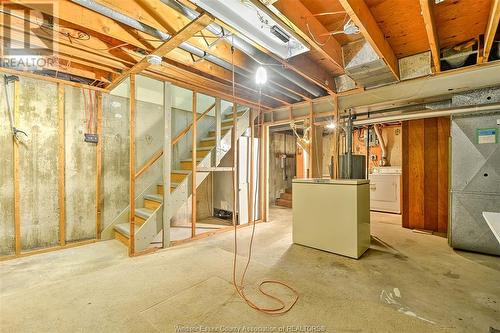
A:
91, 138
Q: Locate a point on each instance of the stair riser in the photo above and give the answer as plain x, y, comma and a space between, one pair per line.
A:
121, 238
186, 165
212, 133
209, 143
177, 177
159, 189
150, 204
286, 196
139, 220
284, 203
202, 153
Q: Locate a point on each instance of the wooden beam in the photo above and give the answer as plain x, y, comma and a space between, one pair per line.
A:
183, 35
167, 161
491, 28
431, 29
194, 166
295, 12
17, 188
361, 15
131, 197
61, 164
98, 197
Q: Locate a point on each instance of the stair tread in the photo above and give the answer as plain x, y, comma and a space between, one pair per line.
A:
154, 197
205, 148
123, 228
185, 172
143, 212
199, 159
208, 138
172, 184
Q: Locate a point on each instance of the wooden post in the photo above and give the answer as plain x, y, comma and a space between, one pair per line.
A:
265, 175
60, 165
251, 190
98, 186
235, 164
131, 245
218, 128
311, 141
17, 190
193, 179
167, 162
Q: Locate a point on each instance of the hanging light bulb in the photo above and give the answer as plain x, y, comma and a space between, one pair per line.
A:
331, 125
261, 76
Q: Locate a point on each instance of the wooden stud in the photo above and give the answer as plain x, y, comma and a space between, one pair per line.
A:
491, 29
194, 166
234, 173
218, 127
17, 190
311, 141
131, 247
167, 161
432, 36
251, 190
60, 165
98, 199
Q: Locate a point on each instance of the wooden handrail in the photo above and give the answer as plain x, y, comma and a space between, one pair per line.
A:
179, 136
188, 127
149, 163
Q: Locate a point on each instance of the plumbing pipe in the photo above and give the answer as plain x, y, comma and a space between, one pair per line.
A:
383, 160
133, 23
429, 114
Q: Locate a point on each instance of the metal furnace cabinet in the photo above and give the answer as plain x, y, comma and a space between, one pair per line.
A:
332, 215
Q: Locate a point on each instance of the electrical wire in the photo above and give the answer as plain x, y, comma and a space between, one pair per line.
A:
282, 308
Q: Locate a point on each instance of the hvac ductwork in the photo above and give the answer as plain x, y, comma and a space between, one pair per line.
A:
251, 51
131, 22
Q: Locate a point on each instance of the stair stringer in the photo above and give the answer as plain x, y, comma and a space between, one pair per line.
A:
153, 225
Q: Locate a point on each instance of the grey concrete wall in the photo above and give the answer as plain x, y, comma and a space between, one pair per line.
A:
38, 164
115, 160
6, 178
279, 144
80, 169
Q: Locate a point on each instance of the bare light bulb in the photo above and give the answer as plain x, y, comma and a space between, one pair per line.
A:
331, 125
261, 76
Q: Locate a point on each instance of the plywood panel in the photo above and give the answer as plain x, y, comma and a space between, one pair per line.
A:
425, 174
443, 126
38, 116
80, 165
415, 173
6, 178
430, 174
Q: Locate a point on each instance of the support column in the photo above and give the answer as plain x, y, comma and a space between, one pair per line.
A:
98, 190
194, 167
218, 129
131, 246
17, 190
60, 165
311, 141
167, 161
251, 190
234, 174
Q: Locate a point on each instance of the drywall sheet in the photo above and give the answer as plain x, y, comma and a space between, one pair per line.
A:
80, 164
115, 160
6, 177
38, 164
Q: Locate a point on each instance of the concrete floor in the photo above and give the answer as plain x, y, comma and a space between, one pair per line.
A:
407, 281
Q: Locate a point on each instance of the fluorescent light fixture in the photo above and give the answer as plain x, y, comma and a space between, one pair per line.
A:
261, 76
257, 23
153, 59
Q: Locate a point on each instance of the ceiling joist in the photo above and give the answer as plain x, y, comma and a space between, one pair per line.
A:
431, 29
491, 29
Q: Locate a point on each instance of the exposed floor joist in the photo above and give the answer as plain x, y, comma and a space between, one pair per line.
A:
491, 29
431, 29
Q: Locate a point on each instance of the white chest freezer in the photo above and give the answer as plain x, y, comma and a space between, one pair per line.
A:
332, 215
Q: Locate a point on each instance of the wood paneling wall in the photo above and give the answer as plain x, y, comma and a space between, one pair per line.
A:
425, 174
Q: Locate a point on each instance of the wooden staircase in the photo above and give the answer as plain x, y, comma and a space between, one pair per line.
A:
152, 204
285, 199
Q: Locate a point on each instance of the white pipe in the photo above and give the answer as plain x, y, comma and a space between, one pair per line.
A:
428, 114
383, 161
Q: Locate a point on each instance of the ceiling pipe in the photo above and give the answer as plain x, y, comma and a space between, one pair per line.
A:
428, 114
247, 48
133, 23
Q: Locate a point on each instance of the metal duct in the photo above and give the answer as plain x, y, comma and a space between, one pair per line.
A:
251, 51
383, 161
131, 22
428, 114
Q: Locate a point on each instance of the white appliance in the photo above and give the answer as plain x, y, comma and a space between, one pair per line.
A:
332, 215
385, 190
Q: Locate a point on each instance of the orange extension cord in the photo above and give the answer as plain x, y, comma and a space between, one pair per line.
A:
283, 308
